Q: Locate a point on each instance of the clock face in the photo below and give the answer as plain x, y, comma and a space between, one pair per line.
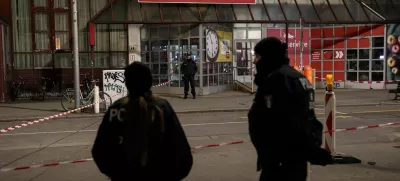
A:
212, 45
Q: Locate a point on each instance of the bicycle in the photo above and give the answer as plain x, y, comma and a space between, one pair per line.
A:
15, 88
68, 96
42, 90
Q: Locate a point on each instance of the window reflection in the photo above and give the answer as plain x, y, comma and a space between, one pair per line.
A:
363, 76
155, 68
155, 57
377, 53
194, 43
174, 45
159, 45
363, 53
377, 65
351, 65
184, 44
351, 76
163, 57
363, 65
163, 50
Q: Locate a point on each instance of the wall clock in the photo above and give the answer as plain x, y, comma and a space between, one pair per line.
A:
212, 45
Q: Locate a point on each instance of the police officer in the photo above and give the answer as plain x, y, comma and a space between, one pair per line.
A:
189, 69
140, 137
282, 123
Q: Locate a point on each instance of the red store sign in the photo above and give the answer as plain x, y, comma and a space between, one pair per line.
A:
294, 44
201, 1
316, 55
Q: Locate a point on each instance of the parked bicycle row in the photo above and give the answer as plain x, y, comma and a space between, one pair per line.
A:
21, 89
86, 96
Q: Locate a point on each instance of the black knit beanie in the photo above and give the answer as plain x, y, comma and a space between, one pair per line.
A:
138, 78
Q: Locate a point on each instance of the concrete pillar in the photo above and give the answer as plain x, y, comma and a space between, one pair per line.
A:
134, 43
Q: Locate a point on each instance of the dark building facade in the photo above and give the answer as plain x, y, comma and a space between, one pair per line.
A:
40, 40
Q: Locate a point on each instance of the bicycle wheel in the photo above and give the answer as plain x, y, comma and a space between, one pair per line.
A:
68, 100
105, 101
14, 94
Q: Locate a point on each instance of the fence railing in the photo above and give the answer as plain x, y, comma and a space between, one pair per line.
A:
245, 76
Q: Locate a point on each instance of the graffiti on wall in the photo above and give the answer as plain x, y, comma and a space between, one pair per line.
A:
114, 84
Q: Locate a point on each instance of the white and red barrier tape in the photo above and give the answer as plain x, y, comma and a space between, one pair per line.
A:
60, 114
91, 159
218, 145
363, 127
194, 148
45, 165
362, 82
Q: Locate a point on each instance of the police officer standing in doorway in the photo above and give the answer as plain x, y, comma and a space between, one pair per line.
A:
189, 69
282, 123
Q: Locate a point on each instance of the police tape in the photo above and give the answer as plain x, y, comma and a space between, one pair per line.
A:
45, 165
218, 145
61, 114
193, 148
363, 127
91, 159
363, 82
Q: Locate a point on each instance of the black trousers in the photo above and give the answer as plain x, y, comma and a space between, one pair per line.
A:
284, 171
187, 80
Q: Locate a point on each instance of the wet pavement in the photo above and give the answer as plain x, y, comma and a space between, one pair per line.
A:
225, 101
71, 139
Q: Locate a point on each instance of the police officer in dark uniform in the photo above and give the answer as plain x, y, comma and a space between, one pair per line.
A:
140, 137
189, 69
282, 123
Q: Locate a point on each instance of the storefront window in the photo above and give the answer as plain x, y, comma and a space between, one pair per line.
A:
352, 54
378, 42
168, 45
363, 76
351, 65
377, 76
352, 76
363, 65
363, 53
377, 53
377, 65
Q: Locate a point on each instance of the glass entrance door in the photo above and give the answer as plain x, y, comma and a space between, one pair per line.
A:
244, 68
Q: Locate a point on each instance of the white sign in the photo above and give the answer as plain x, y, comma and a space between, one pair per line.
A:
336, 85
290, 36
114, 84
131, 58
339, 54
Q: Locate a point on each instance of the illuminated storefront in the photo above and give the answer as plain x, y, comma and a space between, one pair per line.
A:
345, 38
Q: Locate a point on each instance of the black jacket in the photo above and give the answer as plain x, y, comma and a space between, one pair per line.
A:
282, 122
169, 159
189, 68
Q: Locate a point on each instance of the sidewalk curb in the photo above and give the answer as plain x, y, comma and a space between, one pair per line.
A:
88, 115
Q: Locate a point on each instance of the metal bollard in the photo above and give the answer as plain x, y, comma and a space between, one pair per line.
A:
96, 99
313, 74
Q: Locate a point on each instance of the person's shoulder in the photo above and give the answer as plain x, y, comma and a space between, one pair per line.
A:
286, 73
120, 102
161, 102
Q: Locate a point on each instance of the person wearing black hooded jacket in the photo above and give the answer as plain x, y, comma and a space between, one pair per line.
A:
140, 137
189, 70
282, 123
